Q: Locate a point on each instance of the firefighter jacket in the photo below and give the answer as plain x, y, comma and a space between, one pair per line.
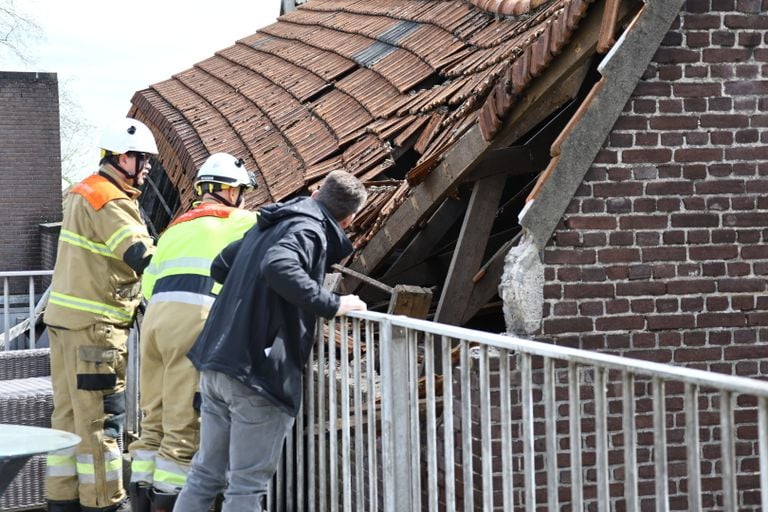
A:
260, 330
102, 245
181, 267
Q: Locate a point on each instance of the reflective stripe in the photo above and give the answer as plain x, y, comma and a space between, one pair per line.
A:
86, 471
61, 464
184, 265
169, 475
73, 238
194, 283
121, 234
86, 478
188, 248
142, 465
186, 297
168, 478
90, 306
61, 471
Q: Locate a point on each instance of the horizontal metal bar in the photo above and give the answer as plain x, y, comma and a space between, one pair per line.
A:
26, 273
608, 361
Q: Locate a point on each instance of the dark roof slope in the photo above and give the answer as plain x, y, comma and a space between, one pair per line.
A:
369, 86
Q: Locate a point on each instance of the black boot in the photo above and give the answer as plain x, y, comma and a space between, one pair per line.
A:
162, 501
64, 506
123, 506
138, 492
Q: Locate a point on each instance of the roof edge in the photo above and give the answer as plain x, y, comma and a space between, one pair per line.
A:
621, 69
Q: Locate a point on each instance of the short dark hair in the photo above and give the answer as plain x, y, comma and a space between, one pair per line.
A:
342, 194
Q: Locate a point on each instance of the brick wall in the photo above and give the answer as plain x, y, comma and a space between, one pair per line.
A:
663, 253
30, 165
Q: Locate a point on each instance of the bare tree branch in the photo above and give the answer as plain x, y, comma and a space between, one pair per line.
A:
17, 31
76, 133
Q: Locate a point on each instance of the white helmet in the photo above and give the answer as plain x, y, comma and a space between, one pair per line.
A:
224, 169
128, 135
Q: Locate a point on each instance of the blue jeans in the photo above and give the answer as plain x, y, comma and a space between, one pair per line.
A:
241, 439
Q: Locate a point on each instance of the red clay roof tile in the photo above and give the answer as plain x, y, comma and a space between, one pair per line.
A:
353, 84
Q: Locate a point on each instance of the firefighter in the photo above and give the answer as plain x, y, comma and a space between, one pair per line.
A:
180, 291
103, 249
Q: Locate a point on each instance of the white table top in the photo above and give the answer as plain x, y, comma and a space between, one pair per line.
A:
24, 440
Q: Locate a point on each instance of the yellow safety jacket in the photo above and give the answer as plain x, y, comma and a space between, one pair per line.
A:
180, 270
91, 282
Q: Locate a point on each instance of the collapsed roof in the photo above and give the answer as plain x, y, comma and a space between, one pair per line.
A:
408, 95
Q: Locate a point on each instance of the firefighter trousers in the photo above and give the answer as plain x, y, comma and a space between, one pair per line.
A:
170, 425
88, 377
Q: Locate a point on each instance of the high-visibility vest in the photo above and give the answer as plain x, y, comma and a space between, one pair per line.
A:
91, 282
180, 270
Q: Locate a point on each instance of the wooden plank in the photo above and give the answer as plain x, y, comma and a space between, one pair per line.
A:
368, 280
332, 281
470, 247
412, 301
424, 242
559, 83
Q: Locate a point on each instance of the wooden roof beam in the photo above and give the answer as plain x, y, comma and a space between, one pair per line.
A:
470, 248
553, 88
422, 245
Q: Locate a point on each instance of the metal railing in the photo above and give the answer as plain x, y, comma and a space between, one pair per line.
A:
403, 415
33, 311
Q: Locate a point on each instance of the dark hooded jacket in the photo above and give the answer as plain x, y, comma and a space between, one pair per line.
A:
260, 330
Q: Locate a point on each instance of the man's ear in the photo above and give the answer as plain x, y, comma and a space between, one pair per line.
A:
346, 221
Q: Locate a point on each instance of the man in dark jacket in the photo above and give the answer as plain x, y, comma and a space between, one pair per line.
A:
258, 337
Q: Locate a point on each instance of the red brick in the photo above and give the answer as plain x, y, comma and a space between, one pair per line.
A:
740, 285
713, 252
721, 320
690, 220
635, 222
584, 291
618, 255
690, 286
698, 155
618, 189
685, 355
573, 257
664, 254
640, 288
663, 322
564, 325
620, 323
590, 222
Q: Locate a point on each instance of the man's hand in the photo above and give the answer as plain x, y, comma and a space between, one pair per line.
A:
350, 303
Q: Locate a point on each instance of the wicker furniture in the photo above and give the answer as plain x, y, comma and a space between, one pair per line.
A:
26, 398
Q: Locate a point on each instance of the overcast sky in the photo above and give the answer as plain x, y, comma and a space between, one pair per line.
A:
104, 51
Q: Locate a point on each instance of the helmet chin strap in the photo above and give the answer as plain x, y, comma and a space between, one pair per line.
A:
133, 178
236, 204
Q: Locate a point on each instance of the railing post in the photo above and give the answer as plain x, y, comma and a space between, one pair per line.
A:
32, 319
396, 418
6, 314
